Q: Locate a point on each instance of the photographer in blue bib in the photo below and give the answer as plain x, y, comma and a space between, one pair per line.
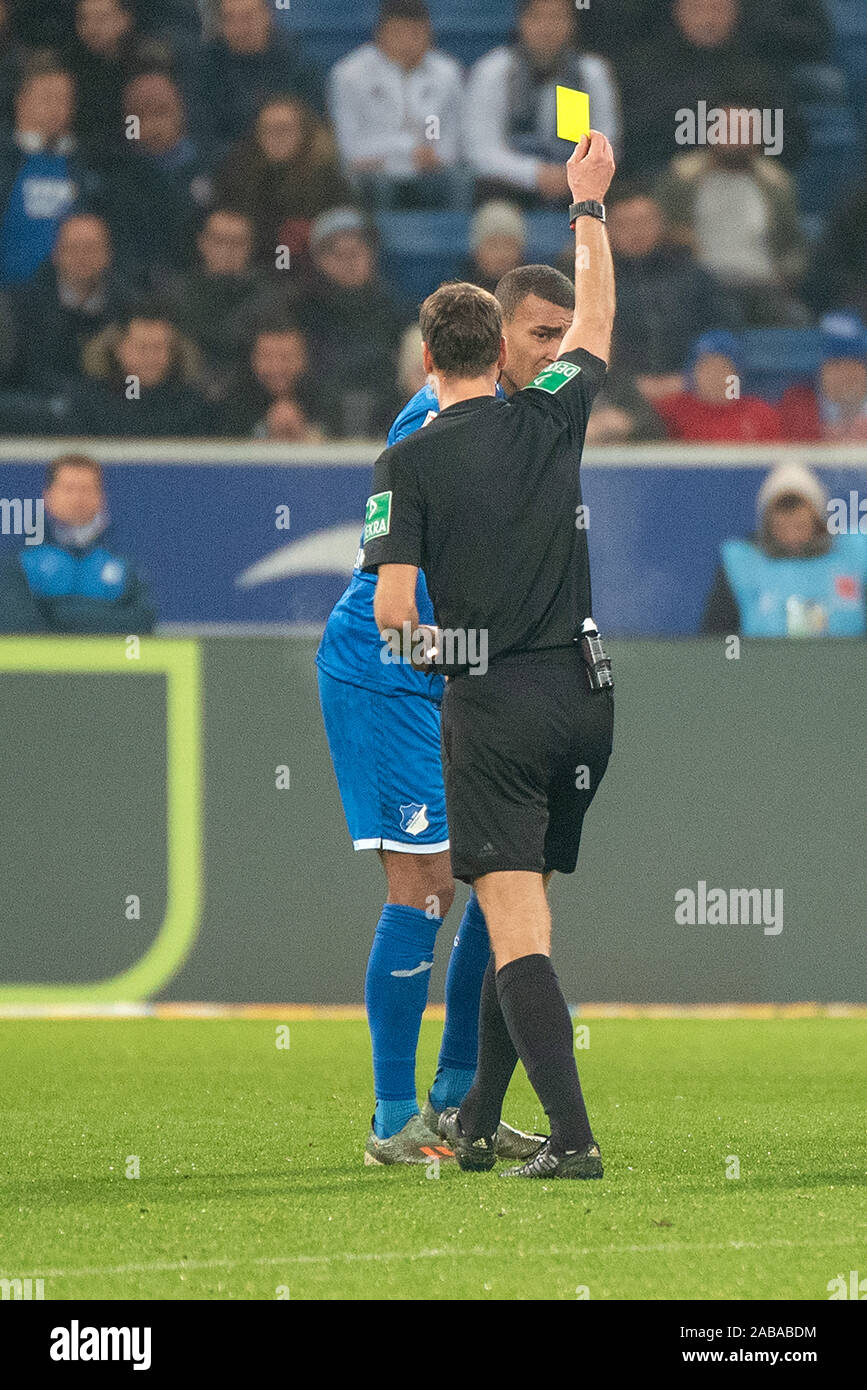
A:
796, 576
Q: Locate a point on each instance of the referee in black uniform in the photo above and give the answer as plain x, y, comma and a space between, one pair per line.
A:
487, 501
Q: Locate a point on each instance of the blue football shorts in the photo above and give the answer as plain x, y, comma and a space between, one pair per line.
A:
386, 755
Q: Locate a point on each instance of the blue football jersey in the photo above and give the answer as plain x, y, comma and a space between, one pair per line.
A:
351, 647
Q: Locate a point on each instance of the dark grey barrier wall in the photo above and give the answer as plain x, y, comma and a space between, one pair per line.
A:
739, 774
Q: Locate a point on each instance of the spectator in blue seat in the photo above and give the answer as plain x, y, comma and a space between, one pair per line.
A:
275, 396
75, 577
511, 134
498, 243
396, 105
282, 176
69, 300
664, 300
251, 59
621, 414
160, 175
832, 410
218, 301
792, 578
106, 51
42, 176
142, 380
354, 326
698, 51
737, 209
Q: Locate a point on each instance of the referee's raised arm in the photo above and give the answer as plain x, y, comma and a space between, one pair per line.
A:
590, 171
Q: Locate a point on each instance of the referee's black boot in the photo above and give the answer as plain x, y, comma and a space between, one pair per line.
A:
550, 1163
473, 1155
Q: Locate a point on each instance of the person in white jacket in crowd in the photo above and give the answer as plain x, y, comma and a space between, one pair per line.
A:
396, 105
511, 136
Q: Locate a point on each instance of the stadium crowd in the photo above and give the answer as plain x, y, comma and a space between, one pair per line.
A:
191, 212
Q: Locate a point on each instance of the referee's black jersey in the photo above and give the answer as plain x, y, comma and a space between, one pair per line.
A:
486, 499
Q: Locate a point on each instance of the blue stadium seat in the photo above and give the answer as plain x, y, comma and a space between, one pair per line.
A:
464, 30
777, 358
548, 234
849, 21
832, 161
848, 18
420, 249
827, 108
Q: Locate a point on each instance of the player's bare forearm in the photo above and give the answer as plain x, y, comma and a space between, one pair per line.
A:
394, 600
590, 171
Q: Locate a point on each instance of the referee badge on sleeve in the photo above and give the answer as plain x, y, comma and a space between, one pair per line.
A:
554, 377
377, 516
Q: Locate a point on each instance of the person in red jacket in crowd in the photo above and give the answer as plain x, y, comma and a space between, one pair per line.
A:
834, 409
711, 407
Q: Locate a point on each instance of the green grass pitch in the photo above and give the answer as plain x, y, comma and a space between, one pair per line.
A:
251, 1181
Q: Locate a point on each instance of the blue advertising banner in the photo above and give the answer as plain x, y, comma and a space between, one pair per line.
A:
260, 537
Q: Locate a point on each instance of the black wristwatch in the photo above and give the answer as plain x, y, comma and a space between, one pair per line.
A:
586, 209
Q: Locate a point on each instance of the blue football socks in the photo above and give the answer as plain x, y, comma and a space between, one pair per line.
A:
395, 995
458, 1053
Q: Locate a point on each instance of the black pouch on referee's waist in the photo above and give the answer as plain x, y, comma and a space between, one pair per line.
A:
597, 664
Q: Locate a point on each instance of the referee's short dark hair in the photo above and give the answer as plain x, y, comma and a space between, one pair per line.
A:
462, 326
542, 280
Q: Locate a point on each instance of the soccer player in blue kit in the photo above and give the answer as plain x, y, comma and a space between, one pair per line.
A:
382, 720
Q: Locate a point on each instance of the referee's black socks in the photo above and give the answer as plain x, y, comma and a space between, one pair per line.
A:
482, 1106
540, 1027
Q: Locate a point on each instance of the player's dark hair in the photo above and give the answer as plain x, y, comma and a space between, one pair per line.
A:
542, 280
72, 461
462, 326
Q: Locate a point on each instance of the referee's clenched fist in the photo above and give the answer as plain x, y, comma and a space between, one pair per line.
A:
487, 501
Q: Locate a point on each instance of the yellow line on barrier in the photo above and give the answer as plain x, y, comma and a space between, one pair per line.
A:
434, 1012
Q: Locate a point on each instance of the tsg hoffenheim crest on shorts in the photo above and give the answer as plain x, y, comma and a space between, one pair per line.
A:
413, 818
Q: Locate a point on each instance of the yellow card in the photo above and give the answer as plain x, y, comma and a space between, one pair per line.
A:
573, 114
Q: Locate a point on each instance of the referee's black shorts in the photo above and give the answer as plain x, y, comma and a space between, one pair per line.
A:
525, 747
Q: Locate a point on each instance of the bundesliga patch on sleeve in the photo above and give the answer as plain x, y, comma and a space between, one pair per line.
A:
377, 516
555, 377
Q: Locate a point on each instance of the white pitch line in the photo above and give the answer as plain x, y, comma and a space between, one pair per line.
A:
384, 1256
